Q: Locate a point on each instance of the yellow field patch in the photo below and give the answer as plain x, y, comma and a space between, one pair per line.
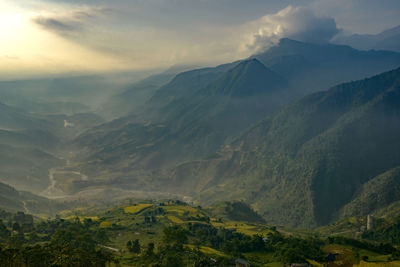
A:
314, 263
136, 209
243, 228
198, 222
105, 224
182, 209
174, 219
208, 250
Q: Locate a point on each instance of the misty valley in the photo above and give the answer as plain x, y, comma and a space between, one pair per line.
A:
289, 156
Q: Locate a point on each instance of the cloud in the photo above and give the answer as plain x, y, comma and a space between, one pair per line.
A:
56, 25
298, 23
71, 23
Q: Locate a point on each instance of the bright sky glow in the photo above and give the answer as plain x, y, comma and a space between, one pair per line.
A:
43, 37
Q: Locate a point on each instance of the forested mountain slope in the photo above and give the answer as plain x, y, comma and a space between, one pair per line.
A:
310, 159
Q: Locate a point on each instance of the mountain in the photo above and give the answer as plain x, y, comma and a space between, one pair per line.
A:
184, 142
312, 67
248, 78
386, 40
131, 100
310, 159
26, 168
37, 138
186, 84
378, 193
13, 200
15, 118
192, 123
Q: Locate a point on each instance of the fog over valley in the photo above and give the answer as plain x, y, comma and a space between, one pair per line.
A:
199, 133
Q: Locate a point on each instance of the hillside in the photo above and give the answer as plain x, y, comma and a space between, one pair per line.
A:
13, 200
235, 211
26, 168
132, 99
172, 233
314, 155
194, 124
17, 119
300, 157
377, 193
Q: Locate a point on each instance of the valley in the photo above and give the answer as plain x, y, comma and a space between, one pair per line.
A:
243, 130
273, 159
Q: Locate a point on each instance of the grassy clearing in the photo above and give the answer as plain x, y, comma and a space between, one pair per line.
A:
182, 210
105, 224
175, 219
207, 250
244, 228
137, 208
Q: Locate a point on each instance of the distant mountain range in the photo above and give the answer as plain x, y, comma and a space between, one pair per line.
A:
314, 67
386, 40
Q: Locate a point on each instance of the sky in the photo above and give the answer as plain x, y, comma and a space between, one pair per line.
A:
50, 37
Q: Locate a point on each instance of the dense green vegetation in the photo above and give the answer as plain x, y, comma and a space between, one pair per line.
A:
169, 233
313, 156
377, 193
385, 231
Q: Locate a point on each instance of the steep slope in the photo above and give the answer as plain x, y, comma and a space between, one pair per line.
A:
26, 168
378, 193
13, 200
132, 99
194, 124
185, 85
308, 161
246, 79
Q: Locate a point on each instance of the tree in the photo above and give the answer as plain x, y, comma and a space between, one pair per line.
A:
133, 246
175, 236
150, 250
4, 232
16, 226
